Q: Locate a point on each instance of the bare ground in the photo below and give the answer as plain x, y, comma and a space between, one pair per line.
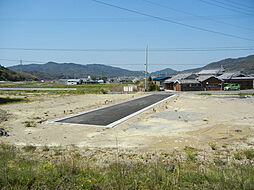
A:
185, 120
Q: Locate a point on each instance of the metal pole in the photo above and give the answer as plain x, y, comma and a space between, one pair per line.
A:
146, 65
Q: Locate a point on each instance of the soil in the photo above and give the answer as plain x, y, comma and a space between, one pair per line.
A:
186, 119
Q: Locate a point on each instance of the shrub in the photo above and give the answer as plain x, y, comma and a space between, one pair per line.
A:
103, 91
45, 149
29, 148
29, 124
191, 153
238, 155
212, 145
249, 154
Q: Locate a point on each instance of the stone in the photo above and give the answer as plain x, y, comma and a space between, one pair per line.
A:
170, 168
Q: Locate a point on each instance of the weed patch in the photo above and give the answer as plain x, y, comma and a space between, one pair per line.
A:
8, 100
191, 153
29, 124
29, 148
249, 154
20, 171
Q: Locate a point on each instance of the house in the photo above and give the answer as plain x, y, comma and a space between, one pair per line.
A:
245, 81
187, 85
210, 82
214, 72
160, 80
213, 79
169, 84
74, 81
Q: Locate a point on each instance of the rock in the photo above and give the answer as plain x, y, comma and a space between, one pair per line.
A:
220, 162
238, 130
170, 168
3, 132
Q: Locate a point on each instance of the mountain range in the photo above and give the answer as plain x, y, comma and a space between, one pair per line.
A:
9, 75
244, 64
52, 70
72, 70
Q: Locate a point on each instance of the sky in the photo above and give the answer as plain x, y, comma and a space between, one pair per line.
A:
117, 32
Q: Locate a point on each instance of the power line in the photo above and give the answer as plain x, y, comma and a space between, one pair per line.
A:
230, 9
109, 19
239, 4
134, 64
243, 48
18, 60
171, 21
197, 16
236, 7
78, 20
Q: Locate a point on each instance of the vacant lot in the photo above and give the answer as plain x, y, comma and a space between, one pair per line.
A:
185, 120
190, 141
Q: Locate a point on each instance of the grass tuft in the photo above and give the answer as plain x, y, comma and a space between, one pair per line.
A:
29, 148
249, 154
213, 145
29, 124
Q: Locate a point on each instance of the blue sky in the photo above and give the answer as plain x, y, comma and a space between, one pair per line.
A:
86, 24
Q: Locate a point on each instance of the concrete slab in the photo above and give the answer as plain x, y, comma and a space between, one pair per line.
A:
115, 114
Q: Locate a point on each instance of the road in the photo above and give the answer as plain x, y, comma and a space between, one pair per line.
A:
112, 115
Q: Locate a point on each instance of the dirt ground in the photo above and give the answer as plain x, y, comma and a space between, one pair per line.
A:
184, 120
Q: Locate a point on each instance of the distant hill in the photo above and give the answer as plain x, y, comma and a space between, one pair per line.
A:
9, 75
244, 64
45, 76
164, 72
72, 70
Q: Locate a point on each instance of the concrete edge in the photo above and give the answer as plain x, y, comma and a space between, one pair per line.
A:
111, 125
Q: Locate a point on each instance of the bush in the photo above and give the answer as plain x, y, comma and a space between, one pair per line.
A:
212, 145
238, 156
103, 91
29, 124
29, 148
249, 154
191, 153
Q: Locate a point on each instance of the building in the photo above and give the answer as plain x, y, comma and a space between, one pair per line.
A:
245, 81
170, 84
214, 72
160, 80
214, 79
210, 82
74, 81
187, 85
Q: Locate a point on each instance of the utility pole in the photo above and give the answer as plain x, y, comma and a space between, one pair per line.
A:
21, 63
146, 65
